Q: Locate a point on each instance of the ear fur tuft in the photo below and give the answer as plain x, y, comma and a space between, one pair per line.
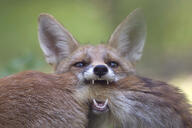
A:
55, 41
129, 36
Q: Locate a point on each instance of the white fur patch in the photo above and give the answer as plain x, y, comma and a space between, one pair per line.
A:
89, 75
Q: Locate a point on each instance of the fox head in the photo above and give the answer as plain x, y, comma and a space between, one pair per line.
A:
130, 102
104, 63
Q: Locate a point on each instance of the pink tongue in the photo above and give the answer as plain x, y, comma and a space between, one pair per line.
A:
101, 104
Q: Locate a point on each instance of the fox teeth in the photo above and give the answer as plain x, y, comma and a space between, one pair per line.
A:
93, 81
106, 102
101, 107
94, 101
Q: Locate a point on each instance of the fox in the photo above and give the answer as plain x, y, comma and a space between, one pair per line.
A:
119, 97
33, 99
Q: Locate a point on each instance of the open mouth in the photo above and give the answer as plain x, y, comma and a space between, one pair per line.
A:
103, 82
99, 107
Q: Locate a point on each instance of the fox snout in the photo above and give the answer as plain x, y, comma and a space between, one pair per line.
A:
100, 73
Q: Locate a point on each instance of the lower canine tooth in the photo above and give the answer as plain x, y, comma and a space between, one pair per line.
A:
106, 102
93, 81
94, 101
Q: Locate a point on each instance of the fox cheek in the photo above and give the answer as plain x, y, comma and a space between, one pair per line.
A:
120, 76
111, 74
88, 72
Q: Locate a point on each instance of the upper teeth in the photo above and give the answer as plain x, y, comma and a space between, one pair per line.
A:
97, 105
93, 81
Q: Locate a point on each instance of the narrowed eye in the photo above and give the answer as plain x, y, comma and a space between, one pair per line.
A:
113, 64
80, 64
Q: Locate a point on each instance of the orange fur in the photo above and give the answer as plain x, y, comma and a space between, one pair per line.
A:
38, 100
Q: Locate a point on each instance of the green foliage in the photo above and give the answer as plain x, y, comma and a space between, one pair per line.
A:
24, 62
168, 48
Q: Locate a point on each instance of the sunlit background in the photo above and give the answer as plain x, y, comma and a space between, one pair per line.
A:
168, 50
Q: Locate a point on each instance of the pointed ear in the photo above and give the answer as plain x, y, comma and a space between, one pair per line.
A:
129, 37
55, 41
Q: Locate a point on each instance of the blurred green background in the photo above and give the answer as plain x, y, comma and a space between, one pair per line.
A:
168, 50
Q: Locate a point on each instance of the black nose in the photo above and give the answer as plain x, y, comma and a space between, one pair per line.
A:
100, 70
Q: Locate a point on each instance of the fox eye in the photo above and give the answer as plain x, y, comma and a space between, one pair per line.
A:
80, 64
112, 64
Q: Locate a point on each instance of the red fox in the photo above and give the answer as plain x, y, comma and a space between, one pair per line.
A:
38, 100
119, 97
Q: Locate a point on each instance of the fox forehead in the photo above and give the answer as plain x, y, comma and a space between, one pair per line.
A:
98, 53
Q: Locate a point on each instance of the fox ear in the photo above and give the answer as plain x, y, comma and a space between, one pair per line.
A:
55, 41
129, 37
